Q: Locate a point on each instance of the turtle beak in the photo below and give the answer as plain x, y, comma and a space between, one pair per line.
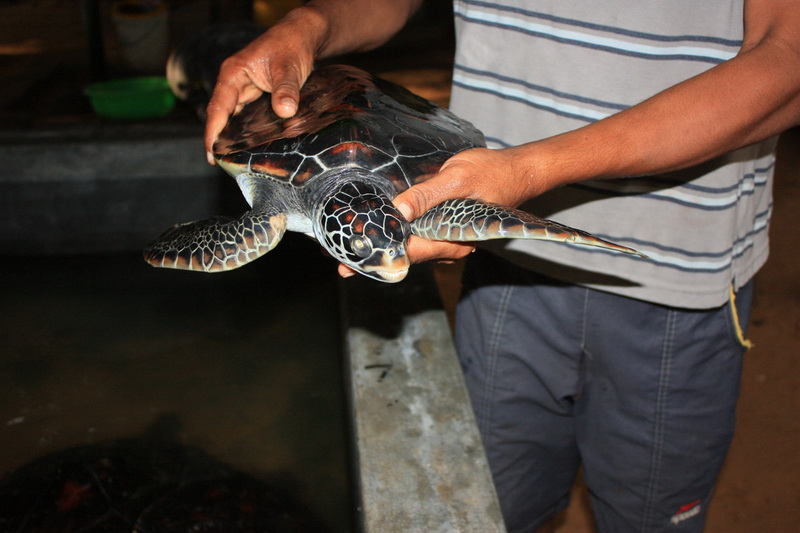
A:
389, 265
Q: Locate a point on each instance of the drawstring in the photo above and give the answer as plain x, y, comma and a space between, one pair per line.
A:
739, 333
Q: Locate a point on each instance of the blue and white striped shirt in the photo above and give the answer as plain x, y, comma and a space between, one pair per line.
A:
526, 70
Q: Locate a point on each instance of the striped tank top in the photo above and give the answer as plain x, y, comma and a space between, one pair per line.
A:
526, 70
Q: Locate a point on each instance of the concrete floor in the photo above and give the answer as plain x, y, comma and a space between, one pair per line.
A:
760, 486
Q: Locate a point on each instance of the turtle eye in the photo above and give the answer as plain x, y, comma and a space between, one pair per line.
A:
360, 245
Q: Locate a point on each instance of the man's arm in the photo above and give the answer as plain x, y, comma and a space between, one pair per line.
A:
280, 60
742, 101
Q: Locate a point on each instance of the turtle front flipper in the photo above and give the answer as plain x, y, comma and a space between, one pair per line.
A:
463, 220
216, 244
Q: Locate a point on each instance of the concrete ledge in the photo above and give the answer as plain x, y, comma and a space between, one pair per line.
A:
101, 188
420, 464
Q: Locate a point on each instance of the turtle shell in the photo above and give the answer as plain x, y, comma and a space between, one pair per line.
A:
346, 118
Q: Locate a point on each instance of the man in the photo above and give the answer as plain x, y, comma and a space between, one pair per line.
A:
626, 366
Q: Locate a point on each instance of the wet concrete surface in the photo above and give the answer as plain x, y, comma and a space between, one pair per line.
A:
420, 462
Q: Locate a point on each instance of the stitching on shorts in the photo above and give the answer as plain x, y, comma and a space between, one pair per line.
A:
485, 411
658, 427
585, 321
585, 356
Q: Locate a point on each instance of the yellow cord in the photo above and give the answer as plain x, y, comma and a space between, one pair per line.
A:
739, 333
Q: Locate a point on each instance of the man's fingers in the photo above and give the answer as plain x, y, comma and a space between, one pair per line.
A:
285, 99
230, 97
416, 200
421, 250
345, 271
221, 106
286, 78
456, 179
227, 100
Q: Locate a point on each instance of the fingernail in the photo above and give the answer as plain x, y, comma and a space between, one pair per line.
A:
348, 274
210, 158
289, 105
405, 210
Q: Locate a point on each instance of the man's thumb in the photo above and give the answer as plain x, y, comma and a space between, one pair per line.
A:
415, 201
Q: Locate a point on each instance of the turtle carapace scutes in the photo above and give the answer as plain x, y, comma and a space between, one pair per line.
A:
331, 172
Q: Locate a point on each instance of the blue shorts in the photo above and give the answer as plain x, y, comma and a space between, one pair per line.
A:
641, 395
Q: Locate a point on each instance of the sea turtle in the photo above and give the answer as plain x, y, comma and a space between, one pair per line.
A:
331, 172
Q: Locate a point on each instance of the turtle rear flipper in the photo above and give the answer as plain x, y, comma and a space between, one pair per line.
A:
463, 220
216, 244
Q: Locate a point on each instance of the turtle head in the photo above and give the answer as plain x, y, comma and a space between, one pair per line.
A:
359, 226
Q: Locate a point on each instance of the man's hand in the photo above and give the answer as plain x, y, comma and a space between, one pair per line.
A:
498, 176
505, 177
281, 59
278, 62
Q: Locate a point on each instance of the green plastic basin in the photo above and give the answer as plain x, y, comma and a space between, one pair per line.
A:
131, 98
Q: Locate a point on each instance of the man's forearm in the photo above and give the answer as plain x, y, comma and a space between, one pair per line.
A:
358, 25
745, 100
